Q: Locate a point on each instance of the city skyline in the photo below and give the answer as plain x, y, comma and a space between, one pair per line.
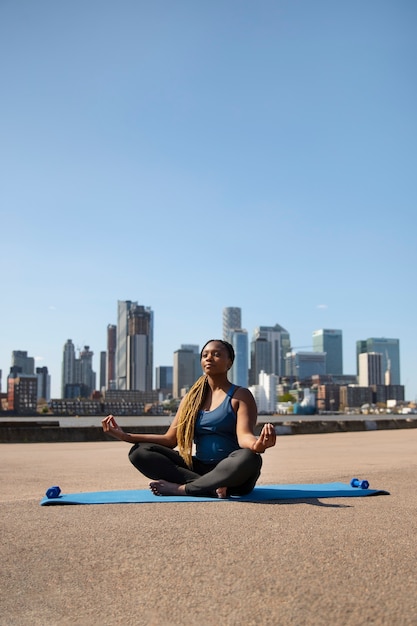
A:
194, 156
96, 359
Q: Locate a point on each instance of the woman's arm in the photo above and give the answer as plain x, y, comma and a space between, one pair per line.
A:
247, 414
169, 439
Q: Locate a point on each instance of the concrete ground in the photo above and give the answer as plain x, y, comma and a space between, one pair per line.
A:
339, 561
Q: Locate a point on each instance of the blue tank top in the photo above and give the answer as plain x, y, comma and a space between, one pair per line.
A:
215, 431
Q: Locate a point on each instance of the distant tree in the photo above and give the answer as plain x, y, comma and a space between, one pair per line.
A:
171, 405
286, 397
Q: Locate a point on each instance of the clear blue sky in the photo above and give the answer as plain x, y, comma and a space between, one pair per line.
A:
192, 155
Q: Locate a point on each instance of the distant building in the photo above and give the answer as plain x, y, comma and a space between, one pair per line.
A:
84, 374
354, 396
68, 366
78, 377
123, 308
232, 320
330, 341
21, 359
328, 397
139, 349
265, 393
346, 379
304, 365
76, 390
185, 372
44, 383
268, 348
239, 372
390, 351
111, 356
134, 347
384, 393
22, 394
125, 398
103, 367
164, 379
370, 369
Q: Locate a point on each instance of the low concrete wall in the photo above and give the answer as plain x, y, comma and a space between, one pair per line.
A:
22, 433
44, 432
320, 427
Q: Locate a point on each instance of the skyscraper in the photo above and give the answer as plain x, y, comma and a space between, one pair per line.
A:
370, 369
111, 357
21, 359
269, 347
330, 341
103, 368
164, 379
302, 365
68, 366
232, 320
84, 374
390, 351
44, 383
123, 308
139, 349
185, 369
78, 377
240, 370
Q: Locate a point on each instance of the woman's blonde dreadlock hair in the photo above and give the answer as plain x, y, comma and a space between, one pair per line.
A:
187, 417
192, 404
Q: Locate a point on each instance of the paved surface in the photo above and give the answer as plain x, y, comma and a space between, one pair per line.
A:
341, 561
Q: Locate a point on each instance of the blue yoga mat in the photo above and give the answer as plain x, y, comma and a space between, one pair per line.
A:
261, 493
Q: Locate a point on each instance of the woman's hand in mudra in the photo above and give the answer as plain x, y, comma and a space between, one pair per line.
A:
266, 439
110, 426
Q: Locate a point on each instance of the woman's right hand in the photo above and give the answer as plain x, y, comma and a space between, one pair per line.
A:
110, 426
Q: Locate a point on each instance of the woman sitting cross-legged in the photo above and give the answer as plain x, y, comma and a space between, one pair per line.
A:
220, 419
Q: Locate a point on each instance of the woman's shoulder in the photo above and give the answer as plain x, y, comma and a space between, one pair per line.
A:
242, 393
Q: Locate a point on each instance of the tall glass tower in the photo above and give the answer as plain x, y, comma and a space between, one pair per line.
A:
269, 347
110, 381
232, 320
139, 348
123, 308
68, 366
240, 370
330, 341
44, 383
84, 370
186, 369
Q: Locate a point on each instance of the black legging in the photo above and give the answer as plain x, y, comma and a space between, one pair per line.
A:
238, 472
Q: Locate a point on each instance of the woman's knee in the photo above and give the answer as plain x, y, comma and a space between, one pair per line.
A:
248, 458
136, 453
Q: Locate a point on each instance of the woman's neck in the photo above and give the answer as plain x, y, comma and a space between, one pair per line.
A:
218, 382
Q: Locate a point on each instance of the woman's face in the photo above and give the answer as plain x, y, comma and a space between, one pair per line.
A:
215, 358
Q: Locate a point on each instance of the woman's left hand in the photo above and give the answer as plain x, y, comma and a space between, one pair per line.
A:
266, 439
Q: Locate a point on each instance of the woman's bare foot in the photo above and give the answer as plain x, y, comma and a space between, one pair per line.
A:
221, 492
164, 488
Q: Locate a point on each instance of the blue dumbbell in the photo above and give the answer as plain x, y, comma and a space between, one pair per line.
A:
362, 484
53, 492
